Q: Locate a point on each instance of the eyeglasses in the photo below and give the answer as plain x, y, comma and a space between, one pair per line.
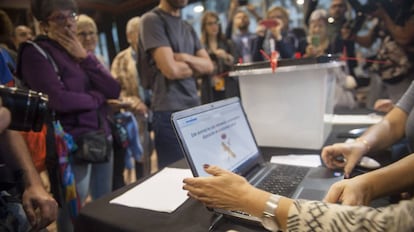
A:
85, 34
61, 18
212, 23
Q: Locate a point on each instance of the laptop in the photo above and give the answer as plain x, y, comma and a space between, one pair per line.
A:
219, 134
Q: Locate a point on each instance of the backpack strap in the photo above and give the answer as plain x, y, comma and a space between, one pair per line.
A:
157, 11
46, 55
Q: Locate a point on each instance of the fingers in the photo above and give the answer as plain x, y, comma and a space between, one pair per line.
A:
30, 213
48, 213
330, 156
340, 156
350, 164
351, 200
40, 211
213, 170
334, 194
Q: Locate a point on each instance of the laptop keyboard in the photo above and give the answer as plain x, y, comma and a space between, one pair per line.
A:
283, 180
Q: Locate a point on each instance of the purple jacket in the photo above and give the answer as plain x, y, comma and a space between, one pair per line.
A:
83, 87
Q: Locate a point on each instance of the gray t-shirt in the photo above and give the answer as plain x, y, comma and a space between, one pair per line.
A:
406, 103
170, 95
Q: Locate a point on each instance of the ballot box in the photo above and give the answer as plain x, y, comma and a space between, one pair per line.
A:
292, 106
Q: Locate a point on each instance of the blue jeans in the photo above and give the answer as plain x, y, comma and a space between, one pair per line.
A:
94, 179
12, 215
166, 143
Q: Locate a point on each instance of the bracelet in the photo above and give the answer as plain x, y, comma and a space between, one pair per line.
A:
365, 142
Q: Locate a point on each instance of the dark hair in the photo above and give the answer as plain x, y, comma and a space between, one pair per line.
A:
204, 37
42, 9
6, 28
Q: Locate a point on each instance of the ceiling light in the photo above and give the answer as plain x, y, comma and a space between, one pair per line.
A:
198, 9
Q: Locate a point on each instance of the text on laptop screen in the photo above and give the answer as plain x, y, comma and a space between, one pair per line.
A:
219, 136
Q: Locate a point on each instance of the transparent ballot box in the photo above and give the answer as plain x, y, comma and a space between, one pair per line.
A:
292, 106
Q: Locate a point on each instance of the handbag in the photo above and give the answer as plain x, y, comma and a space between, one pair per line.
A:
94, 146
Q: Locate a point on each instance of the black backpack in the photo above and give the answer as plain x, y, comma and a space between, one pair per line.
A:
146, 67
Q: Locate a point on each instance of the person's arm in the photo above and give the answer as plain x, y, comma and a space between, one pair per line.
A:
362, 189
364, 40
40, 207
227, 190
404, 35
100, 78
387, 131
50, 84
169, 67
230, 191
234, 5
377, 137
200, 63
252, 9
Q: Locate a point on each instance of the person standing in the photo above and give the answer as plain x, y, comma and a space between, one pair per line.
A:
87, 34
124, 70
222, 52
22, 33
174, 46
242, 37
32, 209
276, 36
78, 92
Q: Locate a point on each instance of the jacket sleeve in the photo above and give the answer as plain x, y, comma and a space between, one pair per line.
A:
40, 76
320, 216
100, 77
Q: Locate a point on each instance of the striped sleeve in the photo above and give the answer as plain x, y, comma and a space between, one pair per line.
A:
320, 216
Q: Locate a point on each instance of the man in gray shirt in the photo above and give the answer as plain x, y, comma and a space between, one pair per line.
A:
178, 56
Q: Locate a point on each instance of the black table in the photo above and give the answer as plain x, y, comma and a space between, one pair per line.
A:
191, 216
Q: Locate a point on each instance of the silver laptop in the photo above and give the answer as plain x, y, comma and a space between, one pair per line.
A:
219, 134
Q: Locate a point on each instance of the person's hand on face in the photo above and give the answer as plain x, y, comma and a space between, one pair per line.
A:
62, 29
5, 117
71, 43
277, 30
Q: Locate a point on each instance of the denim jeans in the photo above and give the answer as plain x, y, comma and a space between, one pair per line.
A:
166, 143
12, 215
94, 179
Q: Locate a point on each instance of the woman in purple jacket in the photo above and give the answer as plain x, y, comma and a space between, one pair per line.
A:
78, 90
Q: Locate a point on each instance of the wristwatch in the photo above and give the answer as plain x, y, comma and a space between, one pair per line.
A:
268, 218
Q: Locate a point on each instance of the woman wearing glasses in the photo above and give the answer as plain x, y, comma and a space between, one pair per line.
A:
78, 90
218, 85
87, 34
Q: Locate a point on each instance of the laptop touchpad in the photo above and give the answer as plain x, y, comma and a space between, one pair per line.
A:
311, 194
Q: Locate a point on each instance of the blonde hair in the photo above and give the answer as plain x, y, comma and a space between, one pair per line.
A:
282, 10
85, 20
318, 14
132, 24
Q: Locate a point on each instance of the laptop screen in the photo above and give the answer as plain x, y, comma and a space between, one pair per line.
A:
216, 134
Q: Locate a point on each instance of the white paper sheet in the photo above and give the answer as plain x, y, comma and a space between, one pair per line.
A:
162, 192
298, 160
356, 119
